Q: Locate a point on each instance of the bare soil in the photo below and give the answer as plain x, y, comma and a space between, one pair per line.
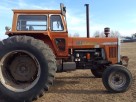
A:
81, 86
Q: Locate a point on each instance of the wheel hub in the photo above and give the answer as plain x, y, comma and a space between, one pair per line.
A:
118, 80
23, 69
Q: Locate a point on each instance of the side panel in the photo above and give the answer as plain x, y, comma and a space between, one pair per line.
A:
59, 35
111, 52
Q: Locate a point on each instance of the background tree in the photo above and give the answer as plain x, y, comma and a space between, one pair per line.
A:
97, 34
112, 34
76, 35
134, 36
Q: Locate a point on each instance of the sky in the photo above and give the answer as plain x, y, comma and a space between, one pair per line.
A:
119, 15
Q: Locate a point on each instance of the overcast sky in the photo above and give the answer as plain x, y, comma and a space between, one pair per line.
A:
119, 15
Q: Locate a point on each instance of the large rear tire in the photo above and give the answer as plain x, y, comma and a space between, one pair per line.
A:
117, 78
27, 68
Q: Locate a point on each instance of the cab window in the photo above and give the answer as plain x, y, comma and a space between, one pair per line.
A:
56, 23
32, 23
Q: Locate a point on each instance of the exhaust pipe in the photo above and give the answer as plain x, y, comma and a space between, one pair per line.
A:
87, 20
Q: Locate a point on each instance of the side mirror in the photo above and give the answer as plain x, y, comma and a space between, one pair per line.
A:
63, 9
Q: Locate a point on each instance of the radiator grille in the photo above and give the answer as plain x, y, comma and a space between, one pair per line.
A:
112, 52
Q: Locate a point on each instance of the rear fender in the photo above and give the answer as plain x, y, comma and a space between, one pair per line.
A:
45, 38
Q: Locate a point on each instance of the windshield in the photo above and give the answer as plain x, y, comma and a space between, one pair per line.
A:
32, 22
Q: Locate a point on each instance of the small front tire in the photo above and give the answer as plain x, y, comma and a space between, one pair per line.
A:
98, 71
117, 79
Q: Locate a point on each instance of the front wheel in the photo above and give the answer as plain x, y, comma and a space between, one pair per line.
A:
117, 78
98, 71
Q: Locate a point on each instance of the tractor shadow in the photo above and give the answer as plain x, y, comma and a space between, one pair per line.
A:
61, 82
2, 99
59, 87
82, 91
78, 77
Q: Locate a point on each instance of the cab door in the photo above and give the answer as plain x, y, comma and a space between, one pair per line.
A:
59, 34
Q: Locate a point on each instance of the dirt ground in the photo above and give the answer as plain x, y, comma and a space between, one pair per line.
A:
81, 86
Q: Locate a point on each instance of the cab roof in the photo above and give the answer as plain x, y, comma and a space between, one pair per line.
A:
37, 11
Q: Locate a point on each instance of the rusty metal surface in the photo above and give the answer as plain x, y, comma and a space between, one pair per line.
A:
23, 68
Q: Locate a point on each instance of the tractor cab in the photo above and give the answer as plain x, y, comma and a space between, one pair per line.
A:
39, 20
47, 25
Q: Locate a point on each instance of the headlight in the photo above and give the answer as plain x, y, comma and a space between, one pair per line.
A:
77, 55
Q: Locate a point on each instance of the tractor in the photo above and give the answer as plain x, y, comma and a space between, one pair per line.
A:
38, 46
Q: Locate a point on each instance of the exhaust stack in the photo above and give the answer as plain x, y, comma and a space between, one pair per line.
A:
87, 20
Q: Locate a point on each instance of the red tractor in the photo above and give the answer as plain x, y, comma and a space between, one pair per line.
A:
38, 45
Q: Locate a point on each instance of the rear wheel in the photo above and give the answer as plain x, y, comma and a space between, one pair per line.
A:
27, 68
117, 78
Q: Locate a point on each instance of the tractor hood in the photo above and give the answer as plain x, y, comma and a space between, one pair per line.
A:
91, 42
